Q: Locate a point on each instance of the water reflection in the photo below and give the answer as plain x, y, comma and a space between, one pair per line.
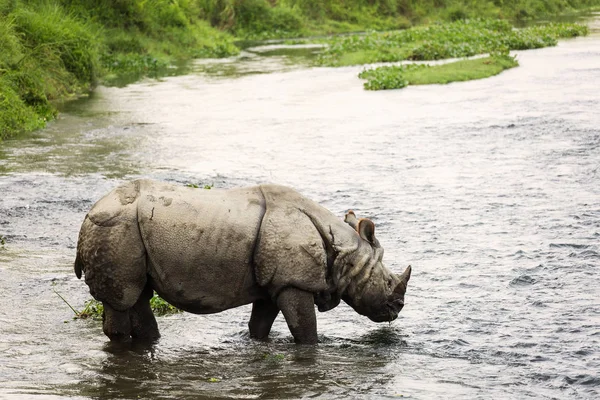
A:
248, 369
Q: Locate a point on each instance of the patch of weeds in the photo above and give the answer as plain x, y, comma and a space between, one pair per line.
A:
2, 240
197, 186
389, 77
128, 63
93, 309
160, 307
397, 77
441, 41
277, 357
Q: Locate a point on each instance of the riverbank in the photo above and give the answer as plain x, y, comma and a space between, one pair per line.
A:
56, 50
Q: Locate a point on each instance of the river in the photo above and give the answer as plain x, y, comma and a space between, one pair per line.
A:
490, 189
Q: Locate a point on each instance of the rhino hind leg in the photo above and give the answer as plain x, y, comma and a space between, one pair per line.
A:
116, 324
263, 315
298, 308
143, 323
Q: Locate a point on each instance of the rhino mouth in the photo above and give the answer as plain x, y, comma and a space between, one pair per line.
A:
384, 317
389, 313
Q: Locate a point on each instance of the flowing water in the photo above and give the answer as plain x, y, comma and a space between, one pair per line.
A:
490, 189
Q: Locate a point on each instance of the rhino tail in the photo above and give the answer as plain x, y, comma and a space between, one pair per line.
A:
78, 266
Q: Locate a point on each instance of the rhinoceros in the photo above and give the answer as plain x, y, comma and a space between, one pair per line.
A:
205, 251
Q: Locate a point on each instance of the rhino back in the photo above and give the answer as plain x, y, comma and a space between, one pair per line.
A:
200, 244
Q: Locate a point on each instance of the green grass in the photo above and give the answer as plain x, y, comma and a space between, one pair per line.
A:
93, 309
397, 77
144, 37
46, 55
199, 185
440, 41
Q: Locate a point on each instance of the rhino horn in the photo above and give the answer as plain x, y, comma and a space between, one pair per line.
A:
351, 219
405, 276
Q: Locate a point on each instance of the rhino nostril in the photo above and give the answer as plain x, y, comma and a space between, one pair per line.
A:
397, 305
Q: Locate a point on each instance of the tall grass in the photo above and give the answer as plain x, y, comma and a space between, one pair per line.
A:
45, 55
49, 28
13, 112
162, 29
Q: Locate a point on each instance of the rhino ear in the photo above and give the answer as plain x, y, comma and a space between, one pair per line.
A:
351, 219
366, 230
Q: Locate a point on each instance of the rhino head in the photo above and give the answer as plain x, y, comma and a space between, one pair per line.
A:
375, 291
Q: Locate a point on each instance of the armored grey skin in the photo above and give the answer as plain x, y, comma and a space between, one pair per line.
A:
206, 251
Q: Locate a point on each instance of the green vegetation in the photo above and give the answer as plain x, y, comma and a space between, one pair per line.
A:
45, 55
94, 309
53, 50
458, 39
435, 42
396, 77
161, 307
199, 185
276, 357
287, 18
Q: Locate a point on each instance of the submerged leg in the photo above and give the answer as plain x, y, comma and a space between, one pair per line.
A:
298, 308
116, 324
143, 323
263, 315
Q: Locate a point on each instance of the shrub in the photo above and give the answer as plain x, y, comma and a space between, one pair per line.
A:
15, 115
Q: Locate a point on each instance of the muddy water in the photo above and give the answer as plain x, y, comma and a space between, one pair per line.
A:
490, 189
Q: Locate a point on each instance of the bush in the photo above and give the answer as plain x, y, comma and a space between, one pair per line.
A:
251, 17
15, 115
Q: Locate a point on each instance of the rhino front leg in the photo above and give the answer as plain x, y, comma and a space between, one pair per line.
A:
264, 312
298, 308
